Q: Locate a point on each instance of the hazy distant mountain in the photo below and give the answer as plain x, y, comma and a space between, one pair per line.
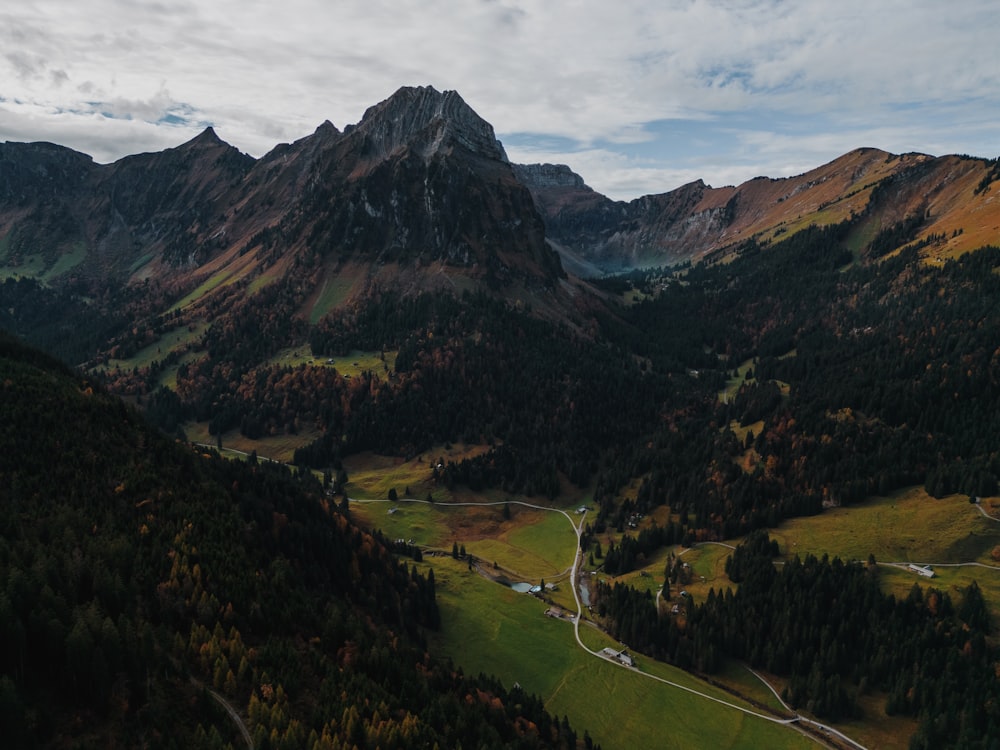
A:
947, 199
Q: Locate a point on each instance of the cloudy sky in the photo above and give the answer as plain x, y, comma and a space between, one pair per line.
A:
637, 96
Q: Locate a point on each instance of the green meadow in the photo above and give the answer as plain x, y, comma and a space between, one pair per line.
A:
178, 339
908, 526
490, 628
353, 363
334, 292
234, 445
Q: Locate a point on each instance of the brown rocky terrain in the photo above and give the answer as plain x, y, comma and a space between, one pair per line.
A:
696, 221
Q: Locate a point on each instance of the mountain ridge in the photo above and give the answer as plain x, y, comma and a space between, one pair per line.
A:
190, 212
697, 221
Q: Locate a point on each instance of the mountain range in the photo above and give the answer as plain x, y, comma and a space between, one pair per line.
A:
420, 194
717, 360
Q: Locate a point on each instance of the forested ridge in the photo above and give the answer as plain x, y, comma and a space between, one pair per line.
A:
864, 379
136, 574
827, 626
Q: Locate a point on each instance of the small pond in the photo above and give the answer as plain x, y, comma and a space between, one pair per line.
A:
521, 588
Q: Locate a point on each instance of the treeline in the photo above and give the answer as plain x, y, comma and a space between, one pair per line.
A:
477, 370
827, 627
633, 551
136, 574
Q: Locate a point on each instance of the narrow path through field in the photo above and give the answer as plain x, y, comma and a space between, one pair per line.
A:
979, 507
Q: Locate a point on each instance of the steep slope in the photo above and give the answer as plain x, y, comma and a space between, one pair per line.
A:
142, 585
696, 221
111, 219
420, 180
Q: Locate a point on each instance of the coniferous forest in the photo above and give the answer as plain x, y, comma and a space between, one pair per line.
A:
826, 626
144, 584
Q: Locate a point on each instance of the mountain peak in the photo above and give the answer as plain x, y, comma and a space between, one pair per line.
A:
207, 137
430, 120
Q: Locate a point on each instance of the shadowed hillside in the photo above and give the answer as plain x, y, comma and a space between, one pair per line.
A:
136, 577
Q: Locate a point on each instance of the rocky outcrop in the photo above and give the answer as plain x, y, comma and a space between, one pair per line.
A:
422, 179
428, 121
549, 176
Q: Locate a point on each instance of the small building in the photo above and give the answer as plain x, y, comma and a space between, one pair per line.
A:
619, 656
921, 570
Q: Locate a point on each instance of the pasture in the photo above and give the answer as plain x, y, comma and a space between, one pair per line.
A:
352, 364
179, 339
490, 628
529, 546
908, 526
234, 445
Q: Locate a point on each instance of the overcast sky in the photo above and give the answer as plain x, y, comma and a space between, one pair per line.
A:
637, 96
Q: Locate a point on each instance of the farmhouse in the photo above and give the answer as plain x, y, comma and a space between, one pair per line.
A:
921, 570
619, 656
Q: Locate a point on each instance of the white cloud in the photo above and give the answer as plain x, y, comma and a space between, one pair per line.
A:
599, 75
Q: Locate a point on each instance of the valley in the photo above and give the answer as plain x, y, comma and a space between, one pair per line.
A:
738, 414
490, 625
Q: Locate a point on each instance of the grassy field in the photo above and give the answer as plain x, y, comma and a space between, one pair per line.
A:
228, 274
33, 267
66, 262
733, 384
372, 476
177, 339
333, 292
491, 628
532, 544
908, 526
276, 447
354, 363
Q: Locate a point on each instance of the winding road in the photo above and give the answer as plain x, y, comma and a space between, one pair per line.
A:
574, 570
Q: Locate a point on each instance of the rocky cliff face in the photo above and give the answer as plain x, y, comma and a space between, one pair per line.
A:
421, 179
427, 121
